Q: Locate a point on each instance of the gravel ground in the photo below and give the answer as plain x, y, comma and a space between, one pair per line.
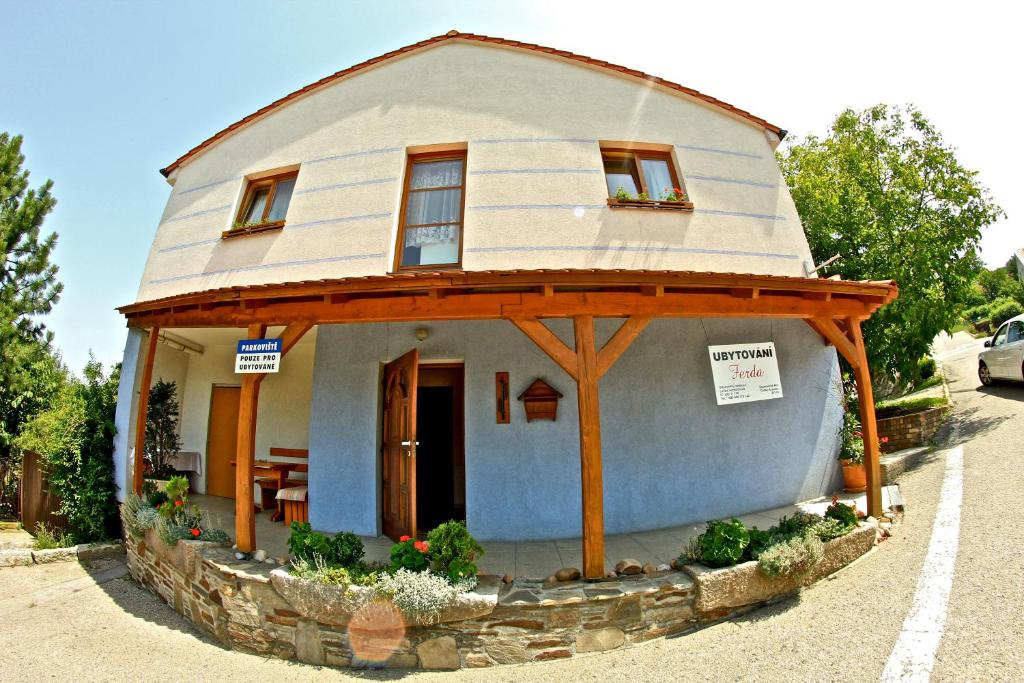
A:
92, 624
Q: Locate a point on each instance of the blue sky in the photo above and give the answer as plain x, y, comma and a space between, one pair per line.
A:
106, 93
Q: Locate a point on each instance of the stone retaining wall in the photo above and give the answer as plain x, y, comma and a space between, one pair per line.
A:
907, 431
259, 608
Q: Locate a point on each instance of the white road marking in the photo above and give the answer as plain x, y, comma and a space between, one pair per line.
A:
913, 656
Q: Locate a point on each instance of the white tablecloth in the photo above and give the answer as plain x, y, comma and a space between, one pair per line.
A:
186, 461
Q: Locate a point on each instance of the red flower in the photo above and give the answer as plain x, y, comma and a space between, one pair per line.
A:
422, 546
884, 439
195, 533
403, 539
178, 503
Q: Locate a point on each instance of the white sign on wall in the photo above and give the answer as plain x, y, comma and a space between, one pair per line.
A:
745, 372
258, 355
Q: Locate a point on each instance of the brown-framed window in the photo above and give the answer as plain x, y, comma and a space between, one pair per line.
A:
266, 202
641, 175
430, 227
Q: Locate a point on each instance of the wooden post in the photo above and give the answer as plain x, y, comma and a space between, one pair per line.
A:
587, 376
869, 429
143, 413
245, 520
587, 365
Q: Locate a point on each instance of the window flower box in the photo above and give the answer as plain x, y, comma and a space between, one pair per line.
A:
649, 204
252, 229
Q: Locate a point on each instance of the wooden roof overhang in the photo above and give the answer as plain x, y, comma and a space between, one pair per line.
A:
511, 294
833, 308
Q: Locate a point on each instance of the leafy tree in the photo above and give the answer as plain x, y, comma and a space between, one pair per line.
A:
162, 440
885, 192
29, 374
75, 436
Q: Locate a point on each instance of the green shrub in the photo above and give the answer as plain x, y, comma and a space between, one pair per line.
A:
830, 528
75, 436
347, 549
795, 525
723, 543
214, 535
177, 487
794, 557
1004, 309
925, 368
759, 540
453, 551
421, 595
410, 554
691, 551
343, 550
332, 575
48, 539
157, 498
842, 513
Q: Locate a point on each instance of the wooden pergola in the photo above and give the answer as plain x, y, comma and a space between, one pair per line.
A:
835, 309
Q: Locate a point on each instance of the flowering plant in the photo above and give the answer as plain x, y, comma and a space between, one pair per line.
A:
672, 194
852, 446
410, 554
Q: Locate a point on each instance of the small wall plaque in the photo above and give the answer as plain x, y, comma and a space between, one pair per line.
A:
501, 394
540, 400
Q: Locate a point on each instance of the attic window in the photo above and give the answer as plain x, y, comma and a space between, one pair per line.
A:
265, 205
643, 179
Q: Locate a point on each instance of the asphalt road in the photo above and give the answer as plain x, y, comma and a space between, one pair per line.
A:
88, 624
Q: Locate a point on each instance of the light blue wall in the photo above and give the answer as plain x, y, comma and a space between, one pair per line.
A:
671, 455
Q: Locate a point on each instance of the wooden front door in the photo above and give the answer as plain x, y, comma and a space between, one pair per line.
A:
399, 445
221, 441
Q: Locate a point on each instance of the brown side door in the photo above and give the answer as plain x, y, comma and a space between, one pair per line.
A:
221, 441
399, 445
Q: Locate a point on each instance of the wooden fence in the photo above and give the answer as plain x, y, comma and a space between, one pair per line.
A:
37, 503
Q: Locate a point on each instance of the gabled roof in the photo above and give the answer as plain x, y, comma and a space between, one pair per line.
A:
456, 35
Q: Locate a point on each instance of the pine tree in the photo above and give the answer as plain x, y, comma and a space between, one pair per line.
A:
29, 374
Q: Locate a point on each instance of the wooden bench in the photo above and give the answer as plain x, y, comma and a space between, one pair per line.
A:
272, 480
294, 502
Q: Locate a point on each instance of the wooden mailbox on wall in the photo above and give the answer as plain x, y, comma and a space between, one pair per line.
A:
540, 401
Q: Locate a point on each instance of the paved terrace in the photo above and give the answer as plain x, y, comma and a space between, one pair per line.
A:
533, 559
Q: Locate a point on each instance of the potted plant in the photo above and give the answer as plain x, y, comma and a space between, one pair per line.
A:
162, 440
851, 451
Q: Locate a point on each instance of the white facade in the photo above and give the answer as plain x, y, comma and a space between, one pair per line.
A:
532, 127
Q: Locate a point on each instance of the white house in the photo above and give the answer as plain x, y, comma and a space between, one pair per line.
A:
433, 230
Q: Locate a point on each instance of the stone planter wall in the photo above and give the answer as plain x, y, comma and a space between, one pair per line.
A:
259, 608
907, 431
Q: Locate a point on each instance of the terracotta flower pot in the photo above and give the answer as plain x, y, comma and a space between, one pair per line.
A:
855, 477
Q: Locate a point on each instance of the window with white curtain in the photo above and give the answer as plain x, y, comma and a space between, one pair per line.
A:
431, 229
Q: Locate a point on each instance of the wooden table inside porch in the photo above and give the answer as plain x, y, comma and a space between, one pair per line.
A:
274, 470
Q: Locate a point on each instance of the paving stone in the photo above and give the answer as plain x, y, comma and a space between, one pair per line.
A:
568, 574
15, 557
628, 566
600, 640
507, 651
55, 555
438, 653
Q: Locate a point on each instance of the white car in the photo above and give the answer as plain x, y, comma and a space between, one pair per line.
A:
1003, 357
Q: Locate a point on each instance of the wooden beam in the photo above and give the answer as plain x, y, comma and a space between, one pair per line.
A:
835, 336
868, 426
292, 334
619, 342
590, 447
493, 306
245, 450
549, 343
138, 466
